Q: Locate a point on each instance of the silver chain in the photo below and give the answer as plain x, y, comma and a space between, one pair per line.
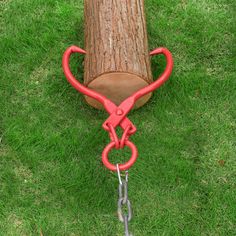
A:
123, 201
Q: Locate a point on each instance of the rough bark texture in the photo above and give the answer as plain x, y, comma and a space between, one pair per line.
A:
117, 61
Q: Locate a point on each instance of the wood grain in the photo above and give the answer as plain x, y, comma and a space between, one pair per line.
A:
117, 48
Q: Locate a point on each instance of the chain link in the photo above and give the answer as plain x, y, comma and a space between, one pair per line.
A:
123, 202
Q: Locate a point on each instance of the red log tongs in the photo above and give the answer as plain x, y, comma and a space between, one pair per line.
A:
118, 113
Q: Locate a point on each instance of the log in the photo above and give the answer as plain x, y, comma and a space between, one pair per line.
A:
117, 62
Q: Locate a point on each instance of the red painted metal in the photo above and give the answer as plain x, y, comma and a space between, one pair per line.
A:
122, 167
118, 113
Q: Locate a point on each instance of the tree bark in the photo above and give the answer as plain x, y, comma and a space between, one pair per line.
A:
117, 62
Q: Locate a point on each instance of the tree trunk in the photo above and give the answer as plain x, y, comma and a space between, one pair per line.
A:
117, 62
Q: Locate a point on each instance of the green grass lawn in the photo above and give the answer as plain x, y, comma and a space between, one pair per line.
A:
52, 181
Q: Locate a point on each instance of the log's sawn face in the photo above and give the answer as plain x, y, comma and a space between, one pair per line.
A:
117, 62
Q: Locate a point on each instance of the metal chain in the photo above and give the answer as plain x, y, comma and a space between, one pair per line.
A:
123, 202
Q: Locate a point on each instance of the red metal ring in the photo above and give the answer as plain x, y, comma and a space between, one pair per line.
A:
122, 167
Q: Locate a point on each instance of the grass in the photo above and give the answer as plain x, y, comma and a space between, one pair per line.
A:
51, 178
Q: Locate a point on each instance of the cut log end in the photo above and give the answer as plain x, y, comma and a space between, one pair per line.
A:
117, 86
